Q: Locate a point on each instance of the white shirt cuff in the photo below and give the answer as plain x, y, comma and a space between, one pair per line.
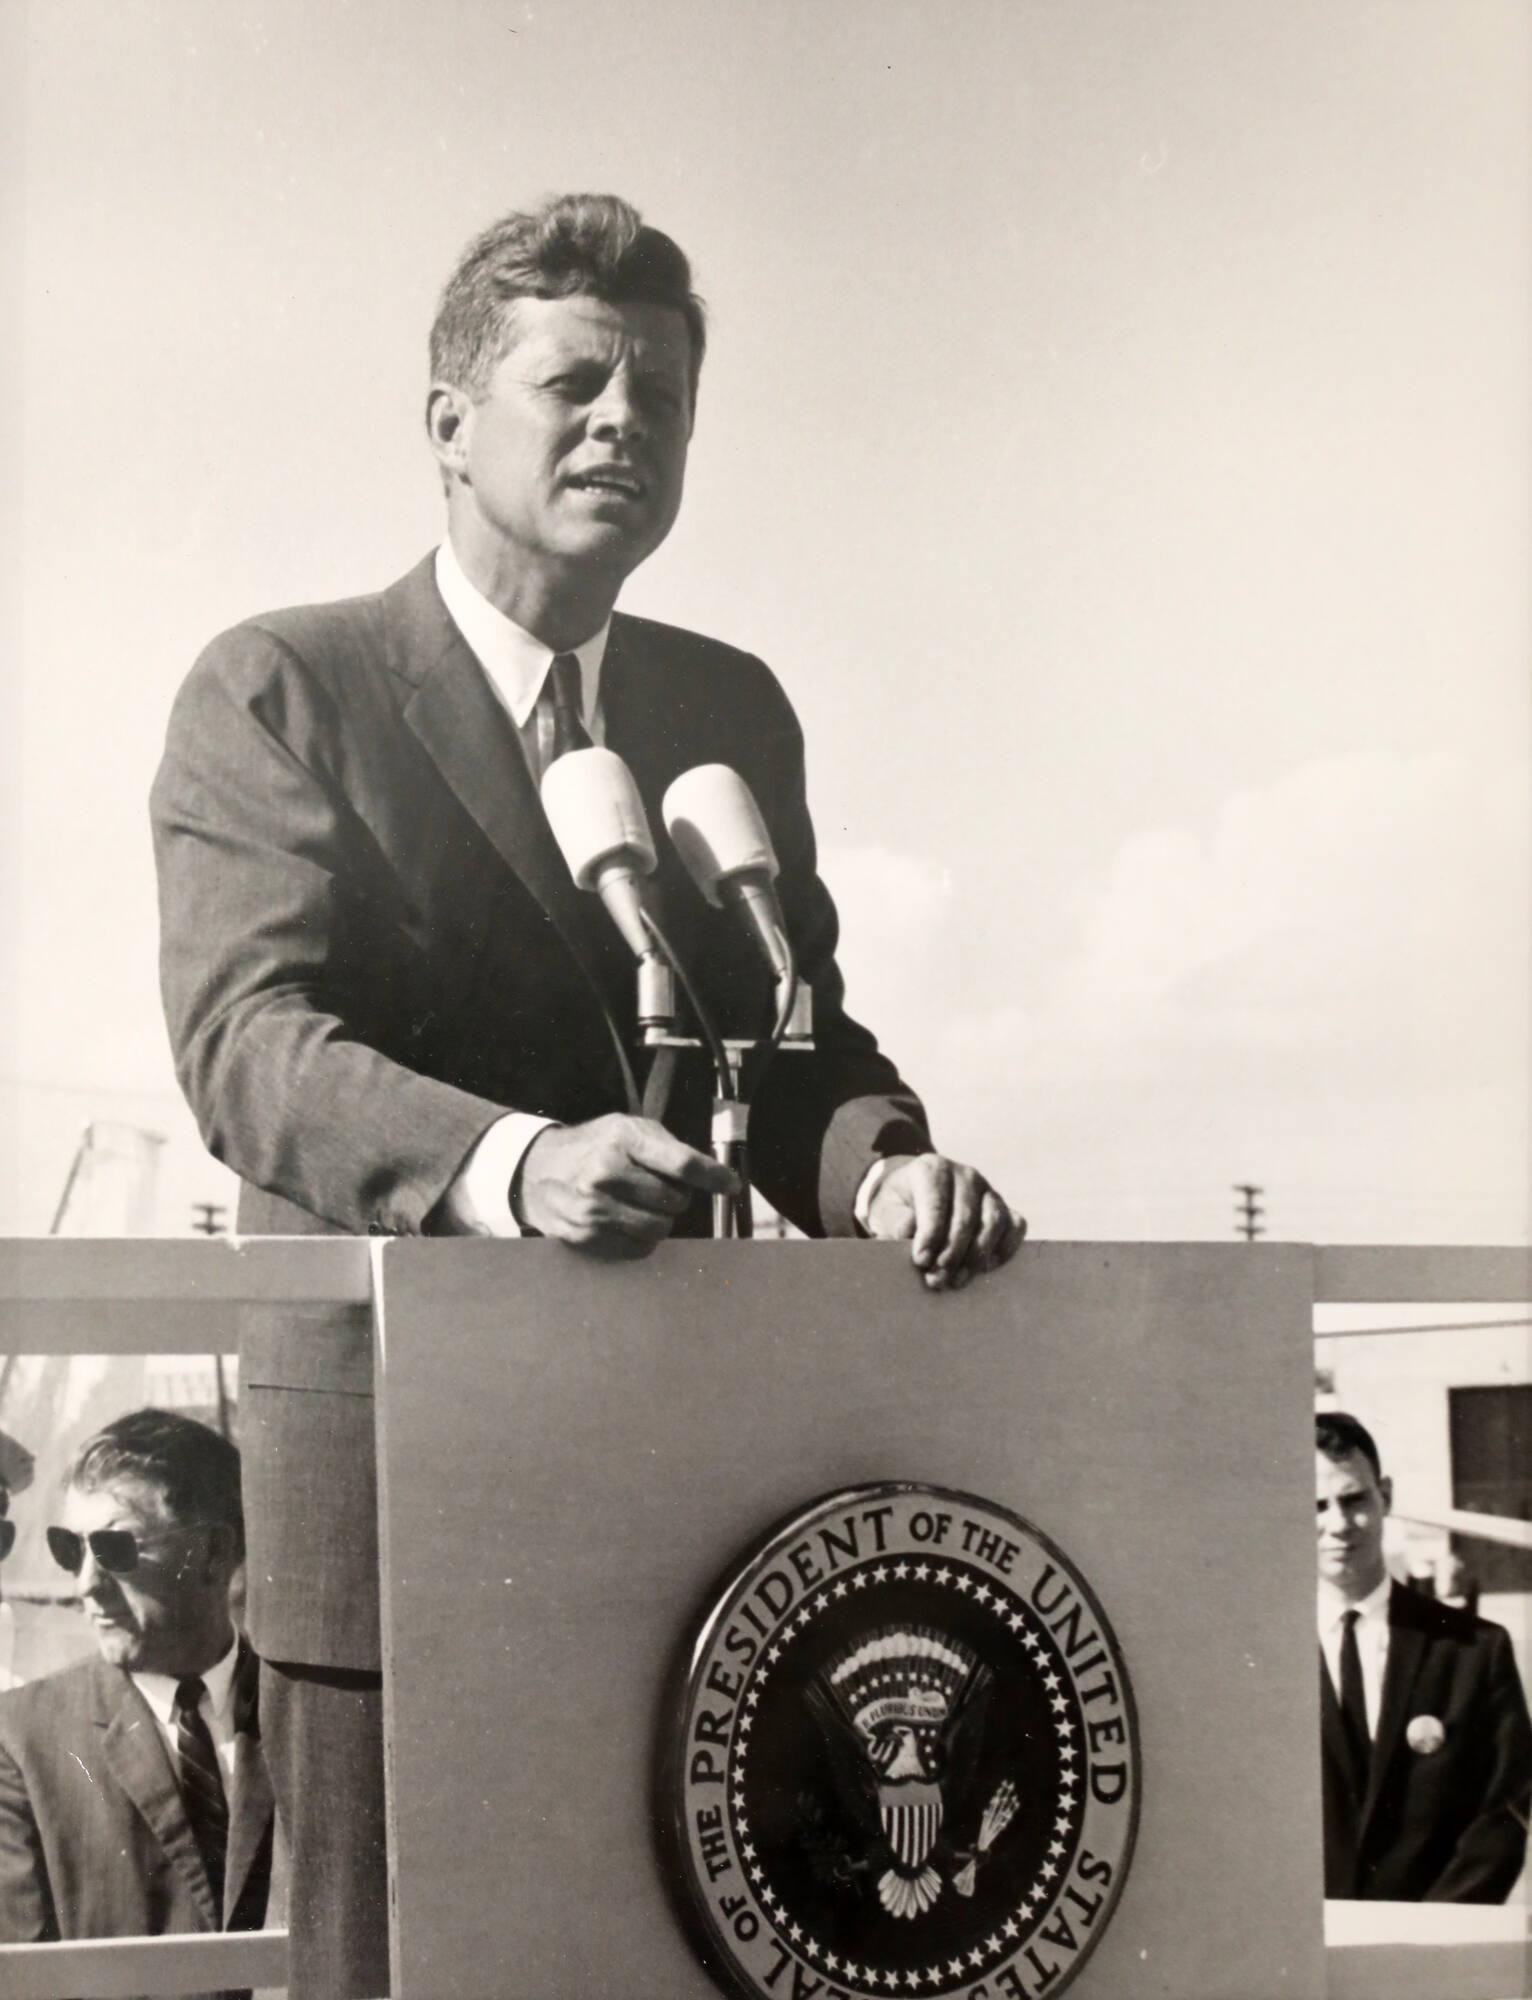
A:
478, 1200
872, 1180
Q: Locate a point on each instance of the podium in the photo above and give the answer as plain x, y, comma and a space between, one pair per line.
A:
573, 1454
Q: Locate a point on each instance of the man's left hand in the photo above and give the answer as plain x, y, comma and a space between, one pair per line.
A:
959, 1225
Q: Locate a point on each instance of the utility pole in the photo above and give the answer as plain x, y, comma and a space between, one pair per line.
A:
208, 1218
1248, 1222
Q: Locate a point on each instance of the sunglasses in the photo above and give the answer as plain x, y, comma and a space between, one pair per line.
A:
7, 1538
116, 1550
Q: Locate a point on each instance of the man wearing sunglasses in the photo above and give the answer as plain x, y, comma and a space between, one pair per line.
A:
133, 1796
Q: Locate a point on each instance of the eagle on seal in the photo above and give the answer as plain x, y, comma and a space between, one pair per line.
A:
901, 1711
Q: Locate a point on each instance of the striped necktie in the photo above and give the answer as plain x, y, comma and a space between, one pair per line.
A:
202, 1793
569, 731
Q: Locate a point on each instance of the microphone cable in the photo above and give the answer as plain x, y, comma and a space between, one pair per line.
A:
630, 1089
744, 1221
715, 1048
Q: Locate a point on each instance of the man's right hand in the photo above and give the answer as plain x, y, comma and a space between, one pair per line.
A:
612, 1187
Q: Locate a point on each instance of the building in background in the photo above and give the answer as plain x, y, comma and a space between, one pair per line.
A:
1451, 1408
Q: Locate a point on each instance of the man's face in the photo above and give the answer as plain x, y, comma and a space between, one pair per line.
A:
170, 1613
1352, 1504
576, 454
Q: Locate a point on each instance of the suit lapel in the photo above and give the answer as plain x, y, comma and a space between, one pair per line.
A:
1332, 1733
1406, 1650
630, 708
251, 1804
458, 719
136, 1756
643, 727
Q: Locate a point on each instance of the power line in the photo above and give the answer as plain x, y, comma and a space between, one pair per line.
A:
1437, 1326
10, 1081
70, 1179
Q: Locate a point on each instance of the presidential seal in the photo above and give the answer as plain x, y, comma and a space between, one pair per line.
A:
906, 1757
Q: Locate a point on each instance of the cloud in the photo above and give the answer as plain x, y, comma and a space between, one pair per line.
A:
897, 913
1373, 906
883, 894
1327, 985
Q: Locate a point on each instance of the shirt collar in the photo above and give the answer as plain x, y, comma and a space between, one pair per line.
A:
1333, 1607
516, 662
159, 1690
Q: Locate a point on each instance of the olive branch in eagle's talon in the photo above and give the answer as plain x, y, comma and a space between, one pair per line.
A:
998, 1815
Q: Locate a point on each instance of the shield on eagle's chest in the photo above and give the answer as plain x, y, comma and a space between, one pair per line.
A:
912, 1818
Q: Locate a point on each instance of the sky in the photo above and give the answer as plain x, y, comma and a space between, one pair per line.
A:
1114, 433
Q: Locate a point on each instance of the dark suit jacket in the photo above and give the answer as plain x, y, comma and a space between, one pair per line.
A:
94, 1841
1439, 1826
371, 947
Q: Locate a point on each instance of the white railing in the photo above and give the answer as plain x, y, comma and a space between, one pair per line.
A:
73, 1296
118, 1968
1426, 1951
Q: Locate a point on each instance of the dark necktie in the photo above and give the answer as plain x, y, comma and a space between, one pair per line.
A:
1353, 1701
569, 731
207, 1810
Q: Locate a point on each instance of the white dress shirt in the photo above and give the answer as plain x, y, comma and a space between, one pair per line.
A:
516, 663
217, 1706
1371, 1641
477, 1202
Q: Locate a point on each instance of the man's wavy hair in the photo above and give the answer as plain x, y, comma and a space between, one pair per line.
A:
1337, 1435
195, 1469
592, 245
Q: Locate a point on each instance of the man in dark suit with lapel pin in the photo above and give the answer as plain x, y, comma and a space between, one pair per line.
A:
133, 1796
1426, 1744
394, 1012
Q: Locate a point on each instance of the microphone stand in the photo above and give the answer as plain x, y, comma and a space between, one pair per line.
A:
793, 1028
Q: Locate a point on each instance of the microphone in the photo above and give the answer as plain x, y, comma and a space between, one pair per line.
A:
712, 817
599, 822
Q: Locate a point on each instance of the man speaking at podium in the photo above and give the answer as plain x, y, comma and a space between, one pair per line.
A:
392, 1009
